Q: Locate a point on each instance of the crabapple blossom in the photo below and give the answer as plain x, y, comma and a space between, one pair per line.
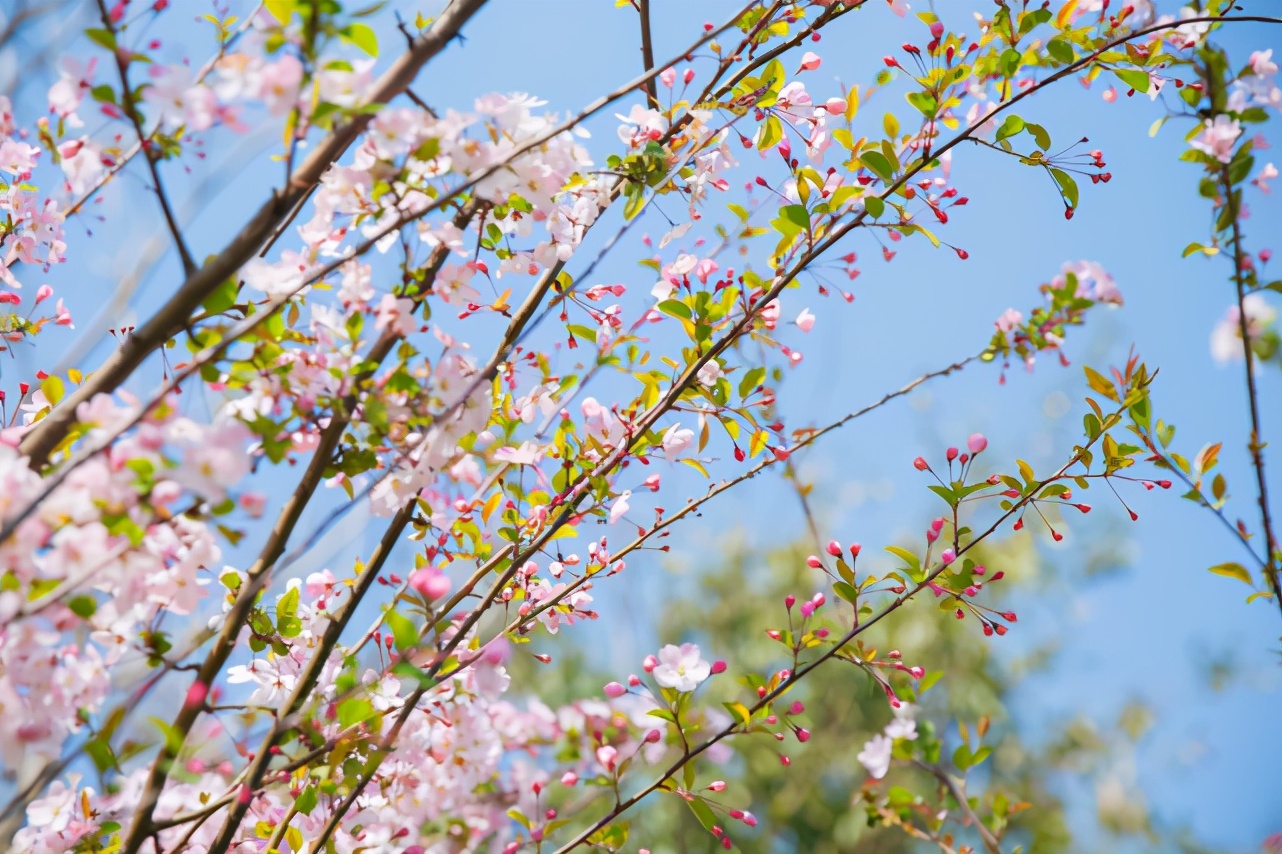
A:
681, 668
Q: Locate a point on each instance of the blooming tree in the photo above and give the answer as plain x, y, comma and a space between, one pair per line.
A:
411, 319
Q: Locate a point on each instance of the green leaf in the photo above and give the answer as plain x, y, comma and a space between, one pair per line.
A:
362, 36
1012, 126
354, 710
771, 133
675, 308
792, 220
703, 813
222, 298
281, 10
1067, 186
1137, 80
82, 606
878, 164
1040, 136
102, 38
876, 207
306, 800
1061, 50
404, 632
1233, 570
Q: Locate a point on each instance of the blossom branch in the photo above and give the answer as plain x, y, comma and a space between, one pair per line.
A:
45, 436
801, 672
1272, 572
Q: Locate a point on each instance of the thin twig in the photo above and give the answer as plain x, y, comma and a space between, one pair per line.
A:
123, 57
647, 53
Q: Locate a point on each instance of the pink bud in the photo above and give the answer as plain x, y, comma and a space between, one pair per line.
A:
606, 756
432, 584
569, 778
814, 562
717, 786
653, 736
920, 464
196, 694
687, 76
948, 556
835, 106
977, 443
615, 689
634, 680
649, 663
717, 667
796, 708
937, 29
668, 77
809, 61
855, 549
803, 735
834, 548
951, 454
789, 601
43, 293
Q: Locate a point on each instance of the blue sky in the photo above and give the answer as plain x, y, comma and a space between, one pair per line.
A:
1145, 633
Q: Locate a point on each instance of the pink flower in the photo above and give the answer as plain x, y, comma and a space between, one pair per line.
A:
668, 76
605, 754
1268, 173
396, 314
806, 320
1009, 320
976, 443
1262, 64
809, 61
1217, 138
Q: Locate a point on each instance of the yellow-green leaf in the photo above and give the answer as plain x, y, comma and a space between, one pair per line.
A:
1233, 570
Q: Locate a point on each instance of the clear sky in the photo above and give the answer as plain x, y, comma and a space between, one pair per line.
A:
1147, 632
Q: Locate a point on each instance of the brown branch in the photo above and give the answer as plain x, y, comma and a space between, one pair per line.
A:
123, 57
1256, 444
959, 795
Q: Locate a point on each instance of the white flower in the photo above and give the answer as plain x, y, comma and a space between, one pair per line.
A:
876, 756
681, 667
1217, 138
676, 440
620, 506
903, 726
709, 373
1226, 337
